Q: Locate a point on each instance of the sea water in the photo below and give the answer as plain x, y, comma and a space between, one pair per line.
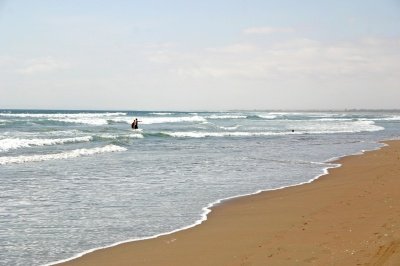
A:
74, 181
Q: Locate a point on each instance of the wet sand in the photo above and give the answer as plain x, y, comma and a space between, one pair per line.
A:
349, 217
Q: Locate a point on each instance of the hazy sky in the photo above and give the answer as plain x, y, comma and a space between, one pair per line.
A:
199, 55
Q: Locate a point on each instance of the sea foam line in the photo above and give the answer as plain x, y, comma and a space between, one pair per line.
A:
226, 116
301, 131
157, 113
197, 134
160, 120
16, 143
84, 120
112, 136
206, 210
61, 115
59, 156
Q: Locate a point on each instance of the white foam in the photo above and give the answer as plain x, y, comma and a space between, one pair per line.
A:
108, 136
329, 127
391, 118
333, 119
299, 128
160, 120
96, 119
63, 115
127, 120
230, 128
206, 210
112, 136
59, 156
72, 132
197, 134
155, 113
88, 121
16, 143
267, 116
136, 136
226, 116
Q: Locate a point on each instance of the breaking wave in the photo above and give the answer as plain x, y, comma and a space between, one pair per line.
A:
225, 116
88, 121
161, 120
59, 156
156, 113
62, 115
313, 128
16, 143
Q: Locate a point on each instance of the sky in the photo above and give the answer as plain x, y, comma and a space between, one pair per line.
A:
199, 55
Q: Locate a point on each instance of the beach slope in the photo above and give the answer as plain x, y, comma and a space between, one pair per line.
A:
349, 217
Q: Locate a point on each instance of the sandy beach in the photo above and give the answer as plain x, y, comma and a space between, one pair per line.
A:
349, 217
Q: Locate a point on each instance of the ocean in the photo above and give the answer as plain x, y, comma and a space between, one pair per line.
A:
75, 181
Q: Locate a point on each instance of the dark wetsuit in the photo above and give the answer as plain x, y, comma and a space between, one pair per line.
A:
134, 124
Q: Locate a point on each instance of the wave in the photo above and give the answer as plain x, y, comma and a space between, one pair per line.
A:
261, 116
68, 132
325, 170
160, 120
50, 133
267, 116
62, 115
391, 118
156, 113
254, 117
339, 127
112, 136
96, 119
59, 156
308, 114
88, 121
353, 127
230, 128
333, 119
225, 116
16, 143
197, 134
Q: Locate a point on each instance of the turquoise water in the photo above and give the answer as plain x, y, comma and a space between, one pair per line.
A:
72, 181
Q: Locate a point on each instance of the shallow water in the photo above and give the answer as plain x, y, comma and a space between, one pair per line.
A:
72, 181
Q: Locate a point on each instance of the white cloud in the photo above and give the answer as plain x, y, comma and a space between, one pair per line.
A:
235, 48
297, 58
295, 73
267, 30
42, 65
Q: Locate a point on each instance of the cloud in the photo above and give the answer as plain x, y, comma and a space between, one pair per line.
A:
42, 65
295, 73
267, 30
6, 61
236, 48
291, 59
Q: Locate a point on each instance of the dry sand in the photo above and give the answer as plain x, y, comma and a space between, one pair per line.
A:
349, 217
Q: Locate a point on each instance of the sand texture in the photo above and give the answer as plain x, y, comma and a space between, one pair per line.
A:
349, 217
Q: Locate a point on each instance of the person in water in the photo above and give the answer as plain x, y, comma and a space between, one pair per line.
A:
135, 124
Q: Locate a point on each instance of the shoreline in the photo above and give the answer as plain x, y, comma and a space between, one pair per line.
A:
210, 210
207, 210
